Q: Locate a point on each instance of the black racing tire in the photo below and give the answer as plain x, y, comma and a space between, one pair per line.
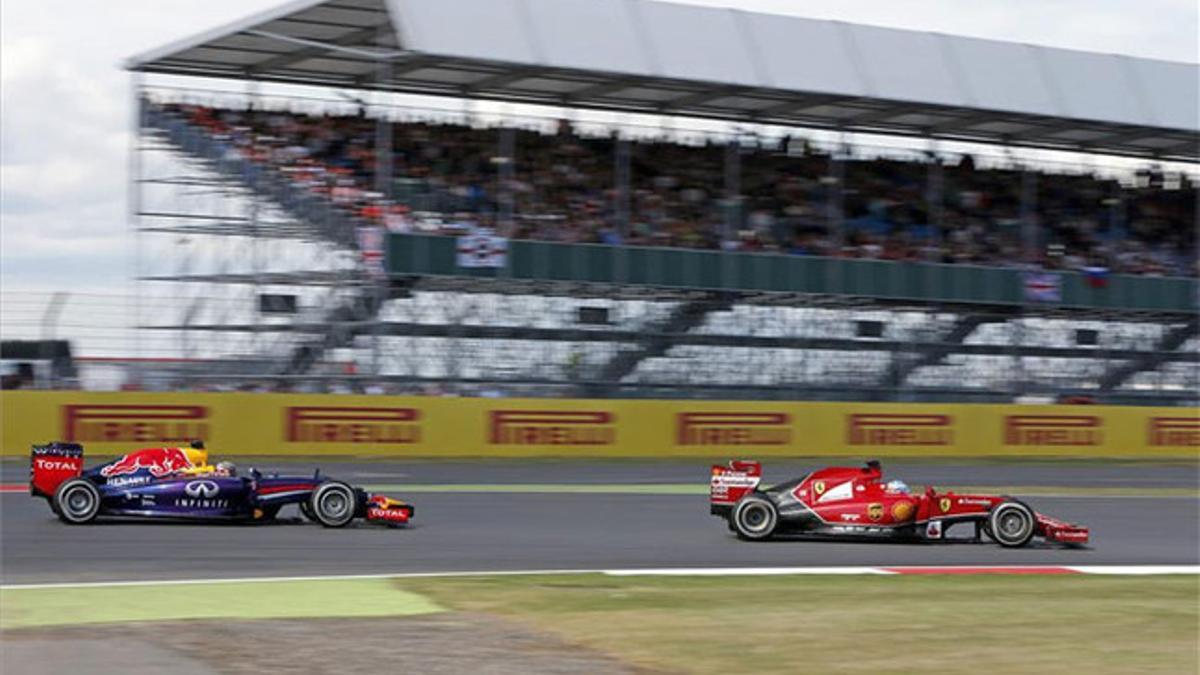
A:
333, 504
76, 501
754, 518
1011, 524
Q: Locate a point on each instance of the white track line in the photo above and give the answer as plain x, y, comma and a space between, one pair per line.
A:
743, 571
1138, 570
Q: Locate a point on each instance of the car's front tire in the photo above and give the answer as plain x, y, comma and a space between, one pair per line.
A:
1011, 524
754, 518
333, 504
77, 501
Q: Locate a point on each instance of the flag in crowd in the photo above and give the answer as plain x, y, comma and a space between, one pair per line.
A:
370, 247
1097, 277
482, 248
1043, 287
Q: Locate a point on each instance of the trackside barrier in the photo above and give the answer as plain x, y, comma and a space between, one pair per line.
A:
313, 424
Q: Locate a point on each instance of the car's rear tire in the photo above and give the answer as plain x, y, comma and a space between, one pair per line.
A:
333, 504
754, 518
1011, 524
77, 501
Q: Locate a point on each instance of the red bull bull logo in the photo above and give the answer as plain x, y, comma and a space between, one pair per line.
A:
1052, 430
158, 461
880, 429
1174, 431
551, 427
135, 423
733, 428
321, 424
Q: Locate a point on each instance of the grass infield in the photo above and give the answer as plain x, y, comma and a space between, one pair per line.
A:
27, 608
861, 624
767, 624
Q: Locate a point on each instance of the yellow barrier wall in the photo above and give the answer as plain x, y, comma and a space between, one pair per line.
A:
293, 424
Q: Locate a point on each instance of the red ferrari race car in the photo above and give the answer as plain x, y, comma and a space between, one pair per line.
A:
856, 502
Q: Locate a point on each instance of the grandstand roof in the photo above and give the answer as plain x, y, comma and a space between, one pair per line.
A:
656, 57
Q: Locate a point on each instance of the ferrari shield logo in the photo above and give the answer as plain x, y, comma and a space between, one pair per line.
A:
875, 511
944, 504
819, 487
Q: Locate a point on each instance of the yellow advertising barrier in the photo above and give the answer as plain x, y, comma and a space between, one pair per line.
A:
304, 424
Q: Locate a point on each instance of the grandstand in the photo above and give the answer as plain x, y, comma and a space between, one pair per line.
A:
760, 260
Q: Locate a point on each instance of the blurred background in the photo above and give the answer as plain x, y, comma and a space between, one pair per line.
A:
320, 203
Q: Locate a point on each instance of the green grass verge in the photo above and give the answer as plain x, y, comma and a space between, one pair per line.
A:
699, 488
943, 624
26, 608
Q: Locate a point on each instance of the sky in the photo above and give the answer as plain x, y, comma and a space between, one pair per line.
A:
65, 101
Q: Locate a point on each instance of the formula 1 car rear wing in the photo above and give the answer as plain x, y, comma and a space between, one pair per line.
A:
730, 483
52, 464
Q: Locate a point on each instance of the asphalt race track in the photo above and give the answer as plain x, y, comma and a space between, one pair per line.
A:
520, 531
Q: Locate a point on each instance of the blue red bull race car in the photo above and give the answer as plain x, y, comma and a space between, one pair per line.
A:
179, 484
855, 502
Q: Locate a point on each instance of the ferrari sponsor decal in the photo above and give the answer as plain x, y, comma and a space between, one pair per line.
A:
732, 428
881, 429
837, 492
944, 504
1174, 431
325, 424
734, 479
135, 423
850, 516
860, 529
1053, 430
933, 529
966, 501
875, 511
819, 487
728, 485
551, 427
158, 461
902, 510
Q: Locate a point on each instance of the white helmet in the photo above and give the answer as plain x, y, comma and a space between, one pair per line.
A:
897, 486
226, 469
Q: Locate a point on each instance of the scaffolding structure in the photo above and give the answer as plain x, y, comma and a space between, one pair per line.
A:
221, 238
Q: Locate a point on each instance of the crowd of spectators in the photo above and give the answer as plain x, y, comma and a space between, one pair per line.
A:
791, 199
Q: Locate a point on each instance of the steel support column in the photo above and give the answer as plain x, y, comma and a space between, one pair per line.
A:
733, 188
621, 179
505, 221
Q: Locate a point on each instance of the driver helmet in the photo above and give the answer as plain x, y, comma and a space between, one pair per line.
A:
897, 486
226, 469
